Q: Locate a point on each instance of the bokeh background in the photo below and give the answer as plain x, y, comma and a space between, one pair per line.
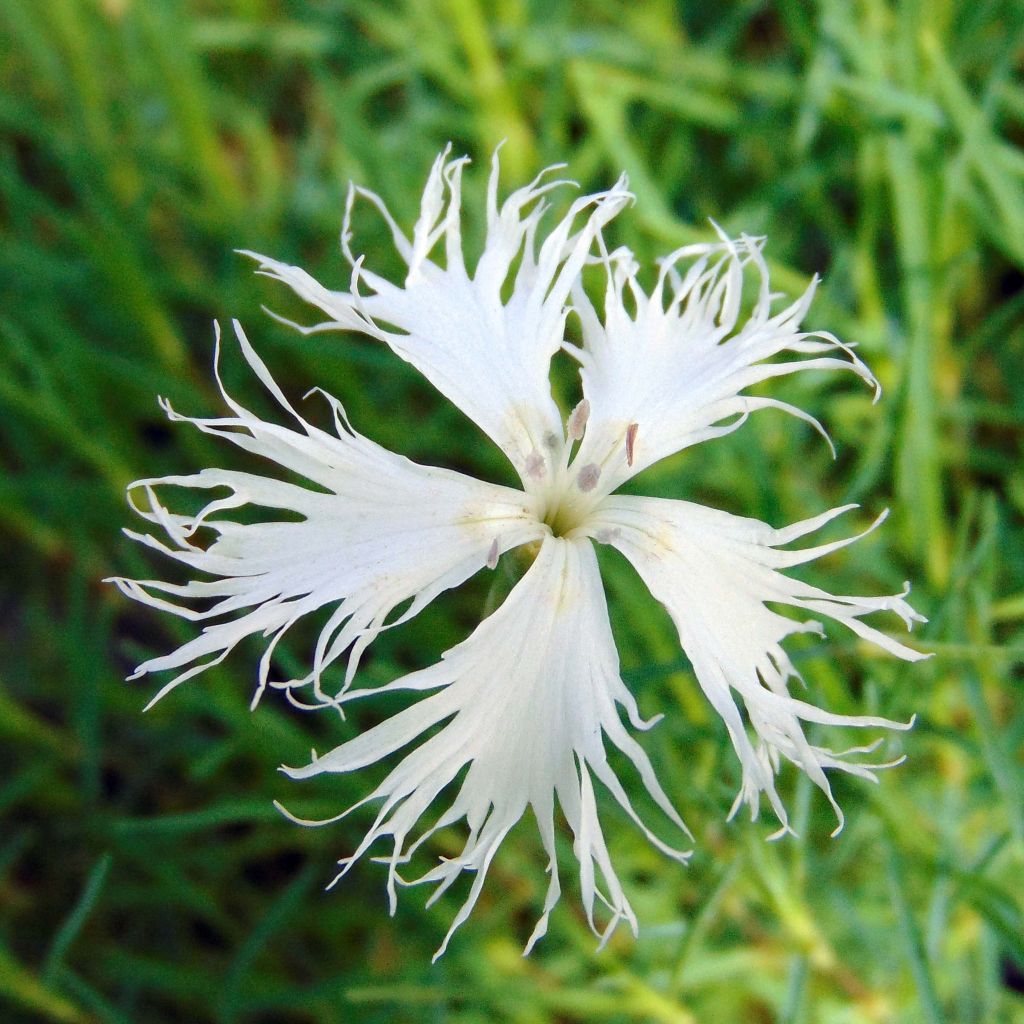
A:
144, 875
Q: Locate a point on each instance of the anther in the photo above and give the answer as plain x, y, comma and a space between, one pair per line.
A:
492, 555
535, 467
578, 420
631, 432
589, 475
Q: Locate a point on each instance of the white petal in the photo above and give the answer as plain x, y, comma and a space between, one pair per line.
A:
488, 354
674, 371
379, 531
524, 703
716, 574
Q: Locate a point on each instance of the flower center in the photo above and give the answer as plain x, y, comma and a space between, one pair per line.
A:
574, 487
561, 520
572, 499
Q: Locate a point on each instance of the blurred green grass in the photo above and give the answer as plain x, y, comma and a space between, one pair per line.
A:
144, 875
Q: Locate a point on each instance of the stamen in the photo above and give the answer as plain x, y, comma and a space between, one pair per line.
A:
578, 420
492, 555
631, 432
535, 467
551, 440
589, 475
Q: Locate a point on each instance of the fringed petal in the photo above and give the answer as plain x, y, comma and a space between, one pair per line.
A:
716, 574
484, 338
377, 532
667, 370
524, 705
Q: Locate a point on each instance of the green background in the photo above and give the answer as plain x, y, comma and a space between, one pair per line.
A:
144, 875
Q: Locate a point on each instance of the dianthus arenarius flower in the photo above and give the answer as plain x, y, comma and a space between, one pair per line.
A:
518, 714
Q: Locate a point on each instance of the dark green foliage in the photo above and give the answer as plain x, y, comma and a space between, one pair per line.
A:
145, 877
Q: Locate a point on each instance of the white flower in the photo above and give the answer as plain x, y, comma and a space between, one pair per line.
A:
521, 709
